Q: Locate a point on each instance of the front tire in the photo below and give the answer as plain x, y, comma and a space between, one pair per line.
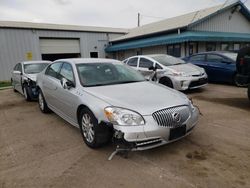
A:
166, 81
92, 133
13, 85
26, 93
42, 103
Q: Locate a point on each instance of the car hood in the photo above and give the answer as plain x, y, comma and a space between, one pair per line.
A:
187, 68
143, 97
31, 76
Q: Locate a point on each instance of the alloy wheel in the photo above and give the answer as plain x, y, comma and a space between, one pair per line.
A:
41, 102
87, 128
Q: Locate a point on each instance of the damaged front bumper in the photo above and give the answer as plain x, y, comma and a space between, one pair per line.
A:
152, 135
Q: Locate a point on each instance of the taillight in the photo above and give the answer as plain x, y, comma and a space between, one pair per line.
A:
242, 61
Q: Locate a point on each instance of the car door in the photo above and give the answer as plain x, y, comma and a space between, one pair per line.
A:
219, 68
143, 67
133, 62
17, 77
51, 82
66, 99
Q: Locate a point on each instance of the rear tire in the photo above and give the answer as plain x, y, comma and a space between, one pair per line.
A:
235, 82
42, 103
166, 81
13, 86
92, 133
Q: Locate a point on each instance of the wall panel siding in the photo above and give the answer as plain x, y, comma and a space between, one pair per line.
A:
154, 50
16, 43
225, 22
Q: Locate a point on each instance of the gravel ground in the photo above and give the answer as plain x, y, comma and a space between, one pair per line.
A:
38, 150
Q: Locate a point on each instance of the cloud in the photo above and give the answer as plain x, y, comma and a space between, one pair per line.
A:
111, 13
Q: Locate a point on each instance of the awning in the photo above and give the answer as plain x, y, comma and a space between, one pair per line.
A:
188, 36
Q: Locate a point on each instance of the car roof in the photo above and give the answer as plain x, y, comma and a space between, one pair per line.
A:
89, 60
215, 52
39, 61
151, 55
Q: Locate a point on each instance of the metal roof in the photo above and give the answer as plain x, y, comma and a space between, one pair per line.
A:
178, 38
48, 26
179, 21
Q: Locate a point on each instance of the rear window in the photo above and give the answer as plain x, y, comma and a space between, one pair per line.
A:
34, 68
232, 56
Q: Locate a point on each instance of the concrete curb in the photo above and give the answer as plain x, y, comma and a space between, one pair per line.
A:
8, 87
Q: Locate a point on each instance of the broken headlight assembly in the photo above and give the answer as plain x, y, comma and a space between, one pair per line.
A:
124, 117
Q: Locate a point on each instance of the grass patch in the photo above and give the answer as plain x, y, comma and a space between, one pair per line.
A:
5, 83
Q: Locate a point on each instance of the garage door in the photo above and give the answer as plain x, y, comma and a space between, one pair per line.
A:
60, 46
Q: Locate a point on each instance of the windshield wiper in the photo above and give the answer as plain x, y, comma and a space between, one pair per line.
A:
113, 83
126, 82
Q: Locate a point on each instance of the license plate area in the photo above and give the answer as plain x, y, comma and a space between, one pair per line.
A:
177, 132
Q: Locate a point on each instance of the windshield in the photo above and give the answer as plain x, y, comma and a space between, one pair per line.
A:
232, 56
97, 74
34, 68
168, 60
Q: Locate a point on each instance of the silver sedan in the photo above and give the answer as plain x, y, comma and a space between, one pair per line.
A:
106, 99
23, 77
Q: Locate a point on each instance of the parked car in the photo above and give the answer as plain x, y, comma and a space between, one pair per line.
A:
104, 97
219, 66
23, 77
243, 68
172, 72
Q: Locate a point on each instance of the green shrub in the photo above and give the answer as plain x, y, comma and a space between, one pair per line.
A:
5, 83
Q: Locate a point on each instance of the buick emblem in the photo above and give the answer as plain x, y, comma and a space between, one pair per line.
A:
176, 117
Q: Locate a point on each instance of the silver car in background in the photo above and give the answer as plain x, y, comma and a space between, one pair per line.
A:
172, 72
23, 77
106, 98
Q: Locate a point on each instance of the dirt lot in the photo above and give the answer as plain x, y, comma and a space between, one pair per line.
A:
38, 150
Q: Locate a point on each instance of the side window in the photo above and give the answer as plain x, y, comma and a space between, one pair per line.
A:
133, 62
125, 61
145, 63
67, 72
19, 67
53, 69
158, 66
214, 58
197, 58
16, 67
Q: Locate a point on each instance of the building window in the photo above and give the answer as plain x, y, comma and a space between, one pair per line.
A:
174, 50
210, 46
224, 46
192, 48
236, 46
93, 54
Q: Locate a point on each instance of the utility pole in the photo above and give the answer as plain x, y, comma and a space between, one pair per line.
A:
138, 19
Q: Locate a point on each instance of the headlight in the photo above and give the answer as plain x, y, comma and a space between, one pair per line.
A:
121, 116
174, 73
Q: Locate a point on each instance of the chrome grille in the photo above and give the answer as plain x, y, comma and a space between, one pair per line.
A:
166, 117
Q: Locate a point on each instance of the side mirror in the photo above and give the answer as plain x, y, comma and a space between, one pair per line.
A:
152, 68
66, 84
17, 72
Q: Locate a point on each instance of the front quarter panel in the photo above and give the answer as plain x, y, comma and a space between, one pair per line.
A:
95, 104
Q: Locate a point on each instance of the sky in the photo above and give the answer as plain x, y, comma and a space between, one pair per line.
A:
103, 13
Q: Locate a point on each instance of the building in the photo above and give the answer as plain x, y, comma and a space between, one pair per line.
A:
20, 41
223, 27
